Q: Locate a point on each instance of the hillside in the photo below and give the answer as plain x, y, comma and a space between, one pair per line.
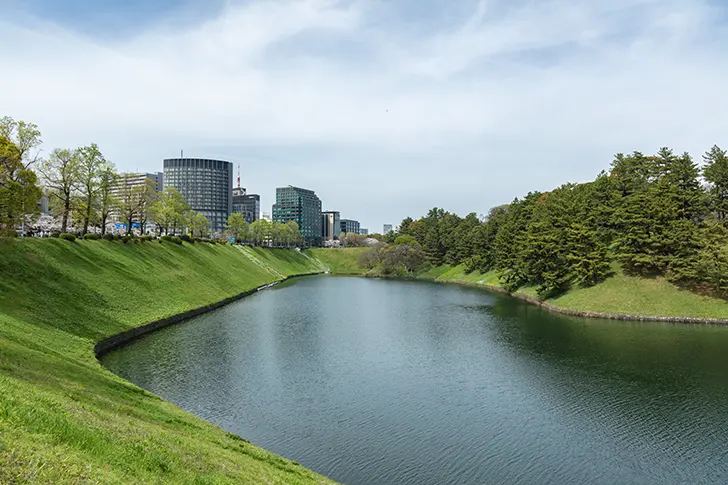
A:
63, 417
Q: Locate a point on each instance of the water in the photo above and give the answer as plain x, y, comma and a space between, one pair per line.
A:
390, 382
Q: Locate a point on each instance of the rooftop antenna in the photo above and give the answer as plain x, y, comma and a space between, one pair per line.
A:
238, 175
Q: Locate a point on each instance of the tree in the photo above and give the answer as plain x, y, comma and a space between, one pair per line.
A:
260, 231
237, 227
197, 224
60, 174
25, 136
716, 173
19, 190
168, 210
90, 166
134, 200
106, 200
295, 233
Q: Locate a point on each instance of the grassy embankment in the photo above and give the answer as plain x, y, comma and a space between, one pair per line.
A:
63, 417
619, 294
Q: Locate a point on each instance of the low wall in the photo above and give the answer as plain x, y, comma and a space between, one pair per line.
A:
105, 345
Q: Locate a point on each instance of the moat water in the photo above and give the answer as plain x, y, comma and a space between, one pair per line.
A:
395, 382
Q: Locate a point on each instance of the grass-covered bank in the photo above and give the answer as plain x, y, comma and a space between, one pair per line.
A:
617, 295
63, 417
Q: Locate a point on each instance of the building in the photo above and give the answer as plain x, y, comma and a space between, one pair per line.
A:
349, 225
267, 217
302, 206
129, 181
386, 229
330, 225
246, 204
205, 184
364, 232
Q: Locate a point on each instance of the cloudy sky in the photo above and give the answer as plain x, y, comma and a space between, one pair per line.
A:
386, 108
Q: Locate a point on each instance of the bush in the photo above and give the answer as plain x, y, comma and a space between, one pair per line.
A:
126, 239
173, 239
90, 236
109, 237
187, 238
55, 234
67, 236
147, 238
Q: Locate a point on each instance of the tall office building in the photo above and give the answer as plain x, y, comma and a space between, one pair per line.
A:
350, 225
386, 229
330, 225
302, 206
205, 184
246, 204
129, 181
364, 232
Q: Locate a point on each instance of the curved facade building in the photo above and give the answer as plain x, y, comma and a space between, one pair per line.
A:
205, 184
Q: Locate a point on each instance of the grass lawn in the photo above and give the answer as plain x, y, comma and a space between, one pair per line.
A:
63, 417
339, 260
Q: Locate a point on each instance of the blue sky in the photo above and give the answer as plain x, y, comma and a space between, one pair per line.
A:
384, 108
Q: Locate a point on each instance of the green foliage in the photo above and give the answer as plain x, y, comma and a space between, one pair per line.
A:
172, 239
405, 239
19, 190
67, 236
126, 239
90, 236
187, 238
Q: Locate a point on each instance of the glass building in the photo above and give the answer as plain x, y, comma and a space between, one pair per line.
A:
205, 184
302, 206
246, 204
330, 225
349, 225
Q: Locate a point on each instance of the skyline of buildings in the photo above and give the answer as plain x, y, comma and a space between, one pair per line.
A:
207, 186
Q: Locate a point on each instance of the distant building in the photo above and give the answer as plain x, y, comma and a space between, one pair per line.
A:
267, 217
364, 232
205, 184
127, 181
330, 225
246, 204
349, 225
302, 206
386, 229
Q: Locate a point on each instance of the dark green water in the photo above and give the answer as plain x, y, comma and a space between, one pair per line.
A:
382, 382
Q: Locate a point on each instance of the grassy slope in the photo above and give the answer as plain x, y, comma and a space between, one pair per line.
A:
64, 418
339, 260
620, 294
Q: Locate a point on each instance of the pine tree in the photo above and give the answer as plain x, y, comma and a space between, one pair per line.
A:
716, 173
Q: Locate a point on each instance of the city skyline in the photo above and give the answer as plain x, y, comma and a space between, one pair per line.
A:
474, 102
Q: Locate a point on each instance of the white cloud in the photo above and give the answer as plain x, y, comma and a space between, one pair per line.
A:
515, 98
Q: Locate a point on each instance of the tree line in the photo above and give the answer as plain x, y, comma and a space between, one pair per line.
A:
85, 192
653, 215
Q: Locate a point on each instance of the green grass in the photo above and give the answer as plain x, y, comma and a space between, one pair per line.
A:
339, 260
63, 417
619, 294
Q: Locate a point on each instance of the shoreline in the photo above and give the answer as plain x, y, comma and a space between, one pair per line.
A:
115, 341
567, 311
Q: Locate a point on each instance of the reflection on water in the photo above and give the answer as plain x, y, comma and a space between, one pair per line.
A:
384, 382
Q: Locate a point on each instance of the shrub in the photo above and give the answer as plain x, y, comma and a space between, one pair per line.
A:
173, 239
109, 237
187, 238
55, 234
90, 236
126, 239
67, 236
147, 238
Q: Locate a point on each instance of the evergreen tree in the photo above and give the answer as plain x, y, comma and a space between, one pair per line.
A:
716, 173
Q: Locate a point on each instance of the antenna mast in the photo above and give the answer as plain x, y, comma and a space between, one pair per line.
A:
238, 175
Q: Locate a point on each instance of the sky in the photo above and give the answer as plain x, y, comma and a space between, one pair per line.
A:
384, 108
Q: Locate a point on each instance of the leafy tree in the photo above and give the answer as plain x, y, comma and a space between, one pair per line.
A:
716, 173
61, 174
168, 210
106, 199
260, 231
237, 227
19, 191
25, 136
197, 224
91, 163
